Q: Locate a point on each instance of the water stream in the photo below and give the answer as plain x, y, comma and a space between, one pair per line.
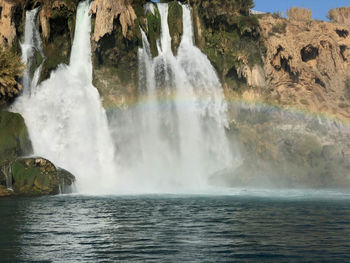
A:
31, 48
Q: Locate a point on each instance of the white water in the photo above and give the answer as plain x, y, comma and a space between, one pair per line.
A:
65, 118
31, 45
7, 171
172, 142
175, 139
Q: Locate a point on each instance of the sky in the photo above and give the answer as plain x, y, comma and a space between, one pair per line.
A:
319, 7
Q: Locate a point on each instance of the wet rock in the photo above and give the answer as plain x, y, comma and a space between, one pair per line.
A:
36, 177
5, 192
65, 180
175, 24
14, 137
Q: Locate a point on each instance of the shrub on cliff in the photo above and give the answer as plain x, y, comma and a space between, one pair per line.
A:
299, 14
340, 15
11, 68
220, 13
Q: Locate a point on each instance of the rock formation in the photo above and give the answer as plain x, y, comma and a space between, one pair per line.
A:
57, 23
7, 25
107, 11
25, 176
14, 137
32, 177
307, 64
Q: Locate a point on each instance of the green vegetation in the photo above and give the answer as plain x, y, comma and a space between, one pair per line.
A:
34, 177
229, 37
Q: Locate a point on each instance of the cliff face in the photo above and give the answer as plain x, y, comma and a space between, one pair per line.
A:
230, 38
106, 12
115, 40
7, 23
307, 64
57, 24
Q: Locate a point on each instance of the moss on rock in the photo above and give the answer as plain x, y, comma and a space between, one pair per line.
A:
35, 177
14, 138
153, 29
175, 24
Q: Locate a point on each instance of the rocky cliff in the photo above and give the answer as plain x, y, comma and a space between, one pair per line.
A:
307, 64
287, 62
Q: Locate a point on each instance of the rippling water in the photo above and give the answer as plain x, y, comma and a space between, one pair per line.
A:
174, 228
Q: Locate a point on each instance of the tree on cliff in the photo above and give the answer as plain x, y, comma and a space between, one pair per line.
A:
11, 68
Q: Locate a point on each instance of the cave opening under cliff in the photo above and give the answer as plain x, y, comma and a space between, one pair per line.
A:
309, 53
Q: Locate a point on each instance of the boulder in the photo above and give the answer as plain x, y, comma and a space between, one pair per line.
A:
34, 177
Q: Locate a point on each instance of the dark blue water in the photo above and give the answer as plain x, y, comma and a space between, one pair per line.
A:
174, 229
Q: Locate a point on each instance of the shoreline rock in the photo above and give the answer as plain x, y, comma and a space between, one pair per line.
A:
33, 177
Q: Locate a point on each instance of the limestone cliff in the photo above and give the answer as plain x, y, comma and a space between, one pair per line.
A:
116, 38
107, 11
57, 24
307, 64
7, 23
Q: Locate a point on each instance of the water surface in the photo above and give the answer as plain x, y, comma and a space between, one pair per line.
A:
174, 228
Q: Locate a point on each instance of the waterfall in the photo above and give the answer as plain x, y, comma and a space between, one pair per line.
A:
30, 48
65, 118
174, 140
7, 171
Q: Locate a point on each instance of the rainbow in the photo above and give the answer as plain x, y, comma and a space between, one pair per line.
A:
146, 104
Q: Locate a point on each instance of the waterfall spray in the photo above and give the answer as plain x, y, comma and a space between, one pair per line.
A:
173, 142
178, 132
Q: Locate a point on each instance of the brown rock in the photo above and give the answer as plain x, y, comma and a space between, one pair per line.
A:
7, 25
106, 11
307, 63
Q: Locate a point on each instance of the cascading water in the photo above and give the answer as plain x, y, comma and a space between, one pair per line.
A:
175, 139
66, 121
31, 47
7, 171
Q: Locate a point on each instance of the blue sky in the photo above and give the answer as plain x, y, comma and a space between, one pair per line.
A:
319, 7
